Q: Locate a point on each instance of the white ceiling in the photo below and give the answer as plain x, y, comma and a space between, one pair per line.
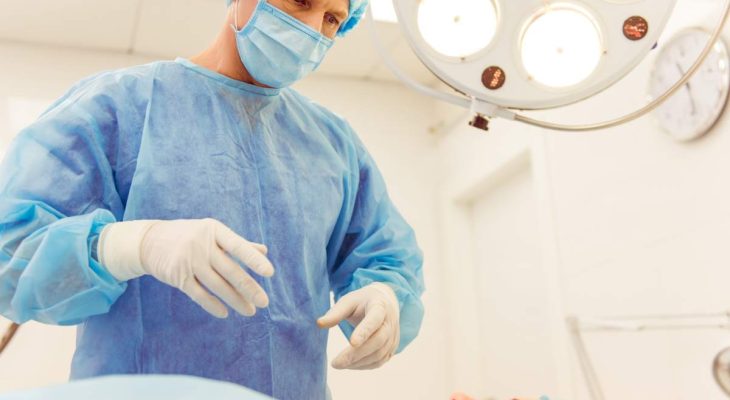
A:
171, 28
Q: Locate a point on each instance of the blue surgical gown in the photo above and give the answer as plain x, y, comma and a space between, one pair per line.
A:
171, 140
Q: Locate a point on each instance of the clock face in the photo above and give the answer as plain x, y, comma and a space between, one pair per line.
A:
694, 110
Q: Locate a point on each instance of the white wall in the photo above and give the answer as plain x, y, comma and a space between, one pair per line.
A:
639, 225
393, 124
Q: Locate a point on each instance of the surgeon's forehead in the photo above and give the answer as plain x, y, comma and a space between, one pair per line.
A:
341, 7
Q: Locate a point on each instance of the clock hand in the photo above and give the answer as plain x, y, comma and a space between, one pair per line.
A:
689, 89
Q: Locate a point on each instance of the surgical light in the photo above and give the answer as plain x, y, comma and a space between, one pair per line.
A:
506, 56
457, 28
383, 10
561, 47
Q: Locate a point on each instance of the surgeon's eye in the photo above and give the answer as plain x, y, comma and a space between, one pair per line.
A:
301, 3
332, 20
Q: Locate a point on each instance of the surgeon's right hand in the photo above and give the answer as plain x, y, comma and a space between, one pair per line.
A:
191, 255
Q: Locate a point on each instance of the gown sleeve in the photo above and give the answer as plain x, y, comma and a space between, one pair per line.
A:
377, 245
57, 192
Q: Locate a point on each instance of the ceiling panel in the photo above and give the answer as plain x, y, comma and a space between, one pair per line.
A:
171, 28
355, 55
100, 24
407, 60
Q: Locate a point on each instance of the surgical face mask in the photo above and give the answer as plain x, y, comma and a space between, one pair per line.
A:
278, 49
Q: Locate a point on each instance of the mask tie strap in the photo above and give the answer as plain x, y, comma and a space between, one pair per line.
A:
235, 17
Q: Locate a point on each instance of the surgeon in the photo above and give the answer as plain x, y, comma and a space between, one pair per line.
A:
193, 217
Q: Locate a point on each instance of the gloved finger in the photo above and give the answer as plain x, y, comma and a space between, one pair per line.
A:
378, 343
374, 319
219, 287
375, 365
239, 279
243, 250
204, 299
342, 310
261, 248
383, 353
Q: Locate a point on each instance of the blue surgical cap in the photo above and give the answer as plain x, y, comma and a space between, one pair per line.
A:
357, 11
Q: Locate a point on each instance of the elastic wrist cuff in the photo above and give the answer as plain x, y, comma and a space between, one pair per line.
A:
119, 248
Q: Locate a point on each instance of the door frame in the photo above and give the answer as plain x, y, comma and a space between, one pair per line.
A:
457, 197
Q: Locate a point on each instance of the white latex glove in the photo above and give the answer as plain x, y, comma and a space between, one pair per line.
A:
375, 312
191, 255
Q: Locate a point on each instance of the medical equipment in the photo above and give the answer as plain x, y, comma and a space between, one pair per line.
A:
577, 326
534, 54
8, 336
721, 369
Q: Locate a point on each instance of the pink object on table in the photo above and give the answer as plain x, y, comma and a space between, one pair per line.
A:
460, 396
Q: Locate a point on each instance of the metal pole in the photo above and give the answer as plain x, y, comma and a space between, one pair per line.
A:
589, 371
8, 336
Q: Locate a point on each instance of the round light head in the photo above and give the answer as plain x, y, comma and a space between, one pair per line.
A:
561, 47
457, 28
532, 54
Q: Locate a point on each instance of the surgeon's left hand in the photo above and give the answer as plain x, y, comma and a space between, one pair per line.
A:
375, 312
